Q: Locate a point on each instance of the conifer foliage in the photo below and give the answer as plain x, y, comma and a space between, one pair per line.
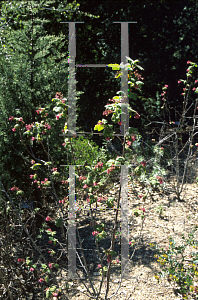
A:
33, 67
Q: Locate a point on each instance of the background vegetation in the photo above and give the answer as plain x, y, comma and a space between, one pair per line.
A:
33, 55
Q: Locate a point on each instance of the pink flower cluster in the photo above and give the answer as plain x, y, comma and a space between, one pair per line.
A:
64, 181
14, 188
137, 116
63, 200
95, 233
28, 126
55, 294
48, 219
58, 116
45, 181
143, 209
102, 199
47, 125
110, 169
133, 138
108, 258
107, 112
11, 118
143, 163
39, 110
82, 178
20, 260
99, 165
58, 95
138, 75
160, 179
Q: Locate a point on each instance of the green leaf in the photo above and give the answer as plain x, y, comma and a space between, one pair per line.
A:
28, 261
108, 131
58, 109
118, 75
114, 66
92, 198
116, 97
44, 266
89, 179
110, 162
133, 130
139, 67
58, 222
130, 59
133, 96
115, 118
136, 212
20, 192
110, 202
48, 163
139, 83
113, 252
99, 127
35, 166
48, 293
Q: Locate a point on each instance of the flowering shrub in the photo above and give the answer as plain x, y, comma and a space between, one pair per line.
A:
174, 266
94, 172
90, 182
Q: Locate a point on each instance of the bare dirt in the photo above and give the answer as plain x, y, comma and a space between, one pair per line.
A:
177, 217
